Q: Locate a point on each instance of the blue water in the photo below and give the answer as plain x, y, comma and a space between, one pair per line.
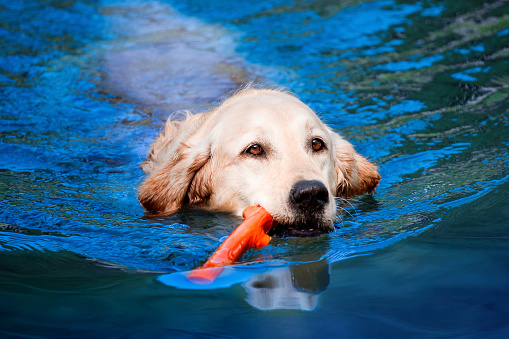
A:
420, 87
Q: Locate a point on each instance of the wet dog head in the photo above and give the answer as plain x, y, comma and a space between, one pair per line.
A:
259, 147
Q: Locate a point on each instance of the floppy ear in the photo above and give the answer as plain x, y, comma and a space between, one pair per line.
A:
185, 178
356, 175
178, 167
169, 140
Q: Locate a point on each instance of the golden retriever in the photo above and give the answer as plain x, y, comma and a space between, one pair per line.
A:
259, 147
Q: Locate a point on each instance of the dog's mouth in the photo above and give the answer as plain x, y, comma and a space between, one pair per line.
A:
282, 230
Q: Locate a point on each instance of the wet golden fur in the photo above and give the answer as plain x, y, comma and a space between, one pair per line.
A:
201, 160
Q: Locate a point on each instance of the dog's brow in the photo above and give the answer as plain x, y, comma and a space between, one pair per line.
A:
314, 131
253, 135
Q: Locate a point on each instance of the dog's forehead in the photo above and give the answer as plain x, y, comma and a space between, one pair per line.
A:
270, 111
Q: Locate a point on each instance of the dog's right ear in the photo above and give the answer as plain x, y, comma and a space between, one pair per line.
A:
183, 179
179, 168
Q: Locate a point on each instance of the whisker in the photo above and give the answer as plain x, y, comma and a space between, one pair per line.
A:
343, 210
346, 202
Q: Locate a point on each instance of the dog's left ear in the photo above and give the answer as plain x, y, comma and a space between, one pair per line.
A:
355, 174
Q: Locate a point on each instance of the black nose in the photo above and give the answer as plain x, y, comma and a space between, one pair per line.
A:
309, 195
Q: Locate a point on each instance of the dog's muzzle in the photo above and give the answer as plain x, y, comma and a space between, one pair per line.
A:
309, 196
308, 200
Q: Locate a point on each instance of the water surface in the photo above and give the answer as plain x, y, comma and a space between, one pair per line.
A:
420, 87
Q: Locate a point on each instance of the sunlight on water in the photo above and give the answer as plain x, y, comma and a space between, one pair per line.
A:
421, 88
74, 149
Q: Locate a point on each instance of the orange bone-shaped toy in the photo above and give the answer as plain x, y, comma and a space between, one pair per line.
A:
251, 233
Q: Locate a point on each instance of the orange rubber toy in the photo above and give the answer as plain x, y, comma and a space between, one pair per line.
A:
251, 233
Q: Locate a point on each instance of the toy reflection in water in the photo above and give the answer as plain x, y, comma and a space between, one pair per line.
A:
290, 287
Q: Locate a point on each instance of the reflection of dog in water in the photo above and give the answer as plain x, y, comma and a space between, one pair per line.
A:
259, 147
293, 287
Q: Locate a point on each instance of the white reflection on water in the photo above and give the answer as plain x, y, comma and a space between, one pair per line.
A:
295, 287
164, 60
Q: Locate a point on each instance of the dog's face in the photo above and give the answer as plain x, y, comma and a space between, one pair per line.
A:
273, 151
260, 147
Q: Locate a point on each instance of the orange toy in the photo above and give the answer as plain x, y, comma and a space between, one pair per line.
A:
251, 233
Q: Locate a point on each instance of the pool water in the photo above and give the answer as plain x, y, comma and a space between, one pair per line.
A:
419, 87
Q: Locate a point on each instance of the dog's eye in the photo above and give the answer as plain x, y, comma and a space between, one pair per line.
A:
255, 150
317, 145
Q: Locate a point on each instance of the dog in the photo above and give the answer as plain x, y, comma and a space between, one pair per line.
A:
259, 147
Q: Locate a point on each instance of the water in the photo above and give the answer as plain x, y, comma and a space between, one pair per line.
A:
420, 87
